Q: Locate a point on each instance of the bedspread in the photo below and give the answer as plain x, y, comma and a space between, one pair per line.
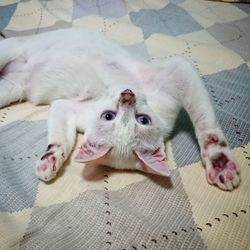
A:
108, 209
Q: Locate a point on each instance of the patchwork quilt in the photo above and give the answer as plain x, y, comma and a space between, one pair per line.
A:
109, 209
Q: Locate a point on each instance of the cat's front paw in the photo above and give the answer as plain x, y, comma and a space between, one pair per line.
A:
222, 170
50, 163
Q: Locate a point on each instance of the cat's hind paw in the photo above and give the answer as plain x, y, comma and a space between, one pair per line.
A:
50, 163
221, 169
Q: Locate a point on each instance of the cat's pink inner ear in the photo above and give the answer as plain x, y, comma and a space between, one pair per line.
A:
90, 151
155, 161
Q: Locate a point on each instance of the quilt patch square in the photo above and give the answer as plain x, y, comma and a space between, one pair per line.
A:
234, 35
20, 144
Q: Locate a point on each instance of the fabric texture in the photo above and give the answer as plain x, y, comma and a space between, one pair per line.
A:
108, 209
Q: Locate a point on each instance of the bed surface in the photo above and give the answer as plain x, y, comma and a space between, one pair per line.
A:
108, 209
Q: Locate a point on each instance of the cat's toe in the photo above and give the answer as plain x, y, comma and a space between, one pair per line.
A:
45, 170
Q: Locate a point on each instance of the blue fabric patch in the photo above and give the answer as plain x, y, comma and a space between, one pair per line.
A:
105, 8
21, 144
243, 6
230, 94
6, 13
171, 20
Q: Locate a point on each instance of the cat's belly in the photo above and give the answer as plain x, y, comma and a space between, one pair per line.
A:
46, 78
50, 68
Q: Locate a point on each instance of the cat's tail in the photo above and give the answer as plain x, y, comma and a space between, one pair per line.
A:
10, 49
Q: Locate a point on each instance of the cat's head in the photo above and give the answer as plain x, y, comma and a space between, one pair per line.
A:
124, 133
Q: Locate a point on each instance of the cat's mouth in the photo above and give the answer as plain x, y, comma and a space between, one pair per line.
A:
127, 97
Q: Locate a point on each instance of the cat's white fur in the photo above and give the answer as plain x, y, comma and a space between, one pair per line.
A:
82, 74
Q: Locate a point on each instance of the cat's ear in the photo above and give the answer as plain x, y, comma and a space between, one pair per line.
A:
154, 161
90, 151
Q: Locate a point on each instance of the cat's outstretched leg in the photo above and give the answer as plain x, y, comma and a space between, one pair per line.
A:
61, 138
179, 79
10, 91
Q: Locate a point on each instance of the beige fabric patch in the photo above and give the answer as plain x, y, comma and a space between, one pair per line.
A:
12, 228
23, 111
8, 2
115, 29
200, 37
161, 47
145, 4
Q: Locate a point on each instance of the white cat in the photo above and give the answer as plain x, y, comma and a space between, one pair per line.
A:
126, 108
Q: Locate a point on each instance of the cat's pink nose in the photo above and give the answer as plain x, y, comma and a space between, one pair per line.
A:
127, 97
127, 91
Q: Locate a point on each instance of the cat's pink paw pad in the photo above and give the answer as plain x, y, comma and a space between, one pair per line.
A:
49, 164
223, 172
221, 168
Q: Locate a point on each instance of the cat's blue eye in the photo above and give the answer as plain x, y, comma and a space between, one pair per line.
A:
143, 119
108, 116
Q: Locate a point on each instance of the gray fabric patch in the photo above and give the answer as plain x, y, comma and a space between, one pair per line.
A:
234, 35
176, 2
21, 143
184, 143
230, 94
170, 20
155, 214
